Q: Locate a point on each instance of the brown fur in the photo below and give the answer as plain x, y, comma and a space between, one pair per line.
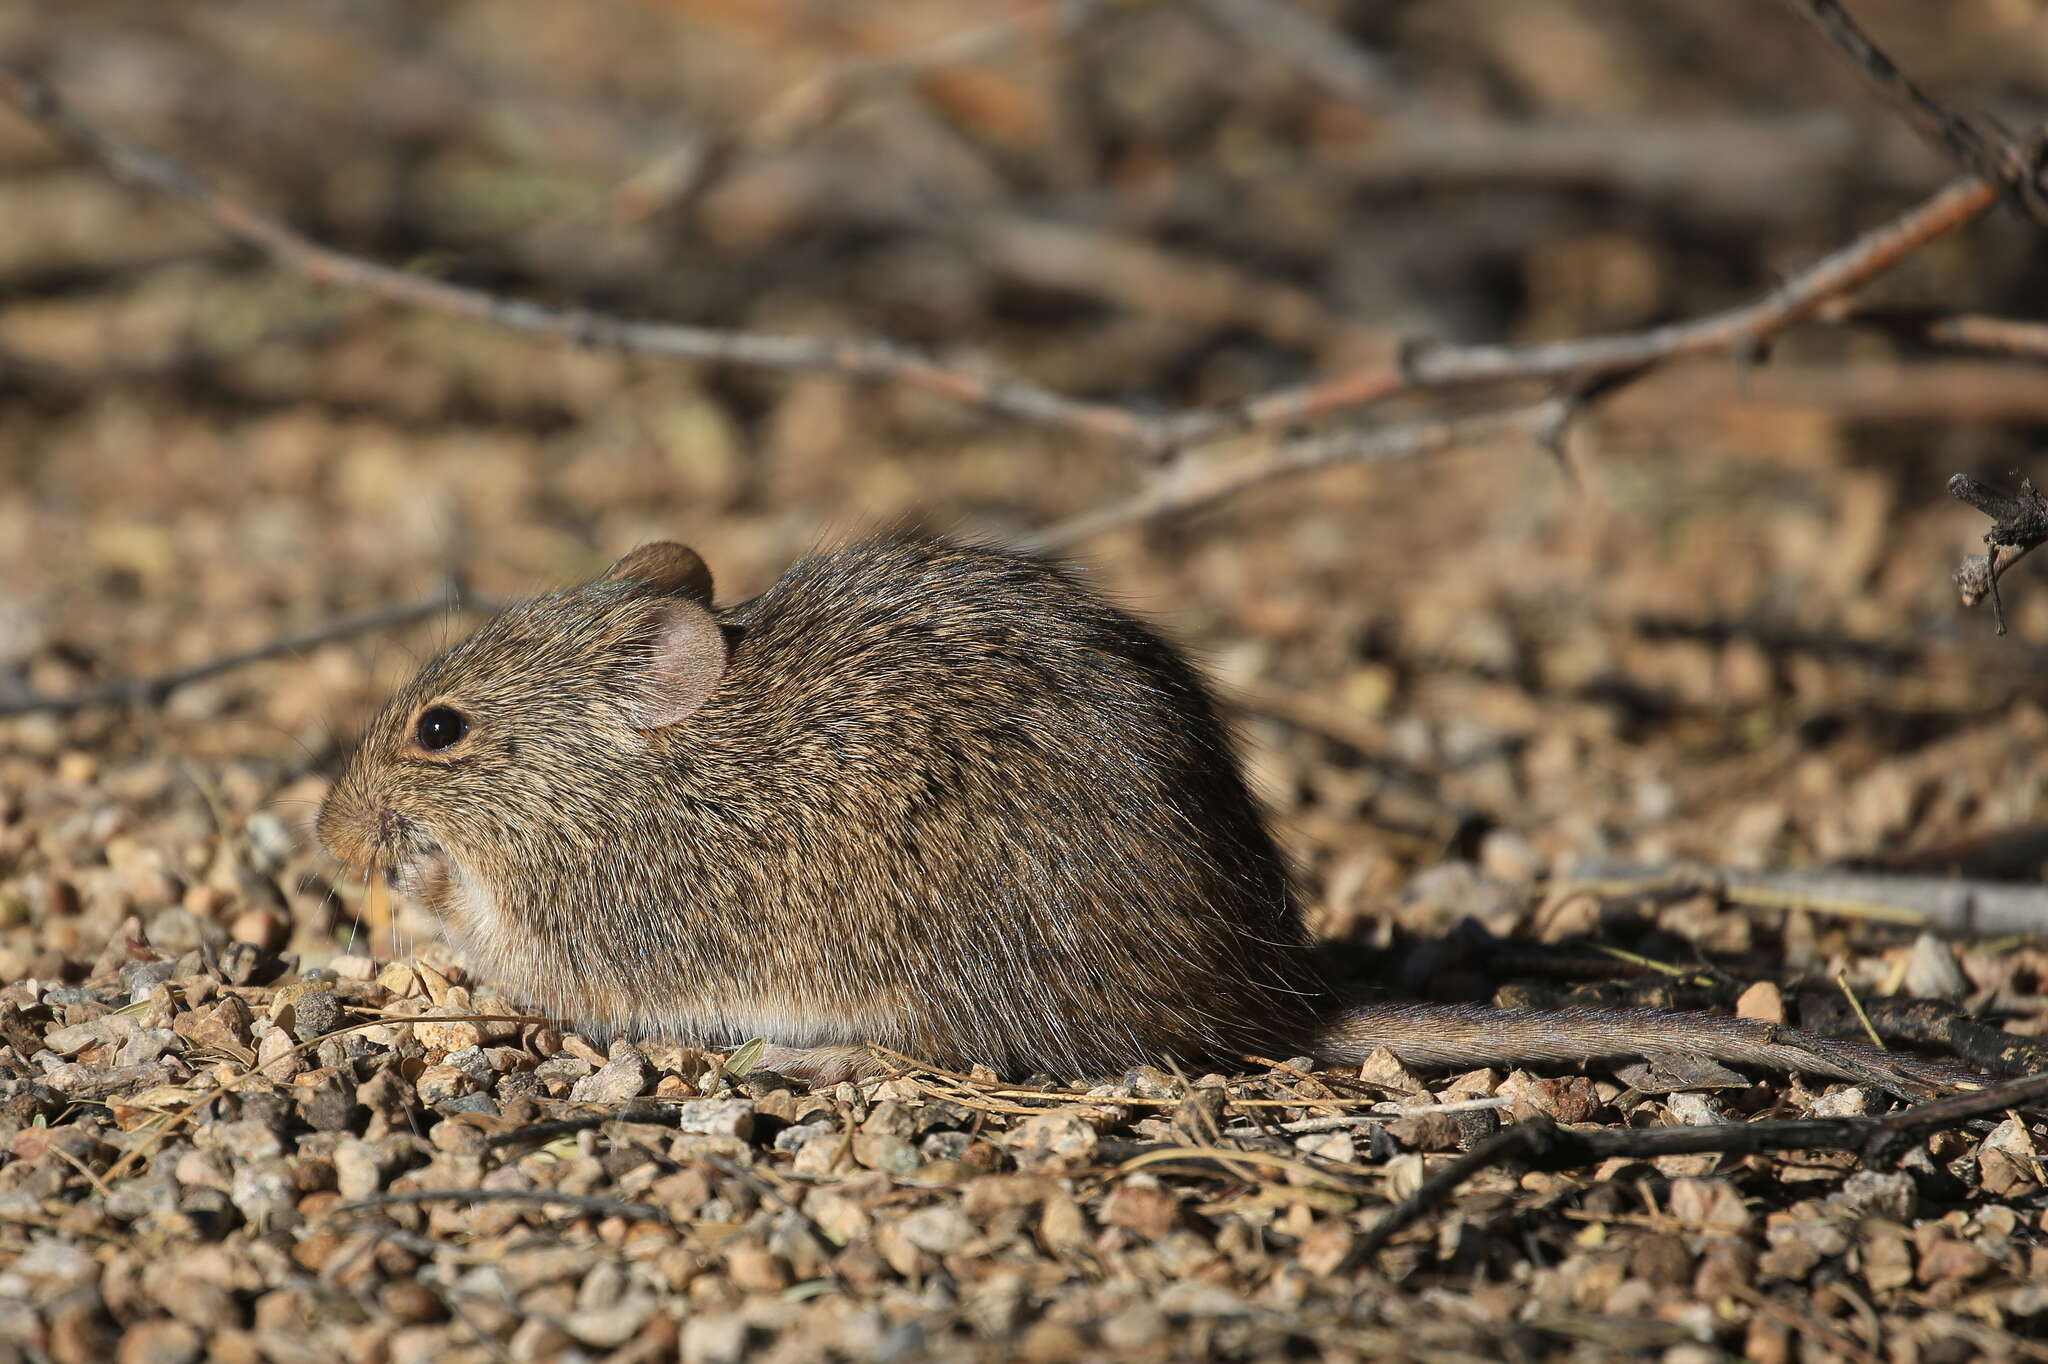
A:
921, 794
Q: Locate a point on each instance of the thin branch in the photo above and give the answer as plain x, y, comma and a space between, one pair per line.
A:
2019, 523
1743, 327
1186, 487
1541, 1144
1933, 327
1937, 903
2006, 334
1932, 1023
1424, 368
1975, 141
861, 358
152, 691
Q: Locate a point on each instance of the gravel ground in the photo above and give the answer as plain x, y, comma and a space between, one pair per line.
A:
252, 1109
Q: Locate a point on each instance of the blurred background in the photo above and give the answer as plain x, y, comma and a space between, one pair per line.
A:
1728, 632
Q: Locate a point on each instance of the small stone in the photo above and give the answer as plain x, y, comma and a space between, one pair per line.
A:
76, 1038
1798, 1246
1193, 1298
270, 841
1384, 1069
1885, 1193
2007, 1165
1931, 970
1507, 856
1053, 1141
315, 1014
1695, 1110
1326, 1248
471, 1103
1949, 1258
1564, 1098
174, 930
358, 1169
1886, 1255
1763, 1001
1064, 1226
885, 1151
1147, 1210
1050, 1342
439, 1084
447, 1036
755, 1269
265, 1193
940, 1230
277, 1057
250, 1139
1150, 1082
402, 979
52, 1265
202, 1169
78, 1331
792, 1138
1727, 1267
413, 1303
719, 1339
1337, 1146
223, 1028
1713, 1206
473, 1062
622, 1077
537, 1341
1850, 1101
717, 1117
144, 1046
159, 1341
1136, 1327
264, 929
819, 1154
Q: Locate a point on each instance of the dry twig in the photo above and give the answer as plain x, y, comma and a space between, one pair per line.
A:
1943, 904
1741, 328
1423, 368
152, 691
1975, 141
2019, 523
1932, 327
1186, 486
1541, 1144
1932, 1023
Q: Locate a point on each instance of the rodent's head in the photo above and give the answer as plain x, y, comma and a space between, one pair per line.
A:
528, 732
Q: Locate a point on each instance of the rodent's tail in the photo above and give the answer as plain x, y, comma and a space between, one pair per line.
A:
1475, 1035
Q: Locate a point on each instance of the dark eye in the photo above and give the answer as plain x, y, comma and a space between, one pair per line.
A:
441, 726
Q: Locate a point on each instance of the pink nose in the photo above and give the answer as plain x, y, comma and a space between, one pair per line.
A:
353, 829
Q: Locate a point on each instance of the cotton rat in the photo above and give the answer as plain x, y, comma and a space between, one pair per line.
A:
918, 793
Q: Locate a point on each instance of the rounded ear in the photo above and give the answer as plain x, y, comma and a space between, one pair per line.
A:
666, 567
686, 658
